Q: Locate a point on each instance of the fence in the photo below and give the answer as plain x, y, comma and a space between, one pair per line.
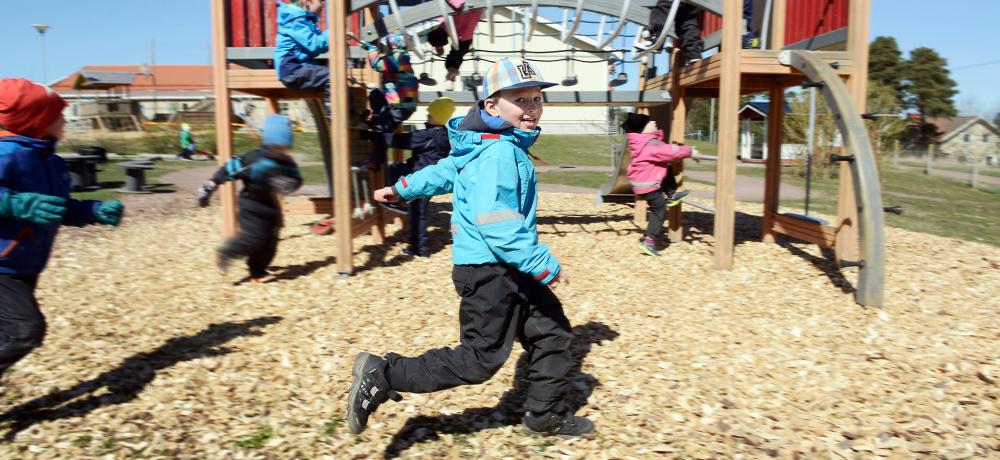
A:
976, 170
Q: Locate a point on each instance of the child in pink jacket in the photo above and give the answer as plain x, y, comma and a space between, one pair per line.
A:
650, 174
465, 29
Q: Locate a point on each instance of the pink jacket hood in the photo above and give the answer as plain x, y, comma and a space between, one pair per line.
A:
650, 159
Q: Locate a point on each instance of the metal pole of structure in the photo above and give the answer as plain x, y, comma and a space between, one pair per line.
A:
41, 28
930, 159
810, 144
152, 74
711, 120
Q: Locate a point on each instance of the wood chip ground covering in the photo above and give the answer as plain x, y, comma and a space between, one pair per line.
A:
150, 354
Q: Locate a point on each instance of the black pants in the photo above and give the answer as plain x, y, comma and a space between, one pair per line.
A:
657, 204
687, 24
22, 325
455, 57
418, 225
657, 214
498, 305
385, 118
418, 209
257, 239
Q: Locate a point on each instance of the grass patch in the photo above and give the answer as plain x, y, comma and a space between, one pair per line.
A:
165, 141
575, 178
257, 440
111, 177
566, 150
313, 175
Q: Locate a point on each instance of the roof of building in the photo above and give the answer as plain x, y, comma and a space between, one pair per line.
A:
166, 77
951, 127
760, 108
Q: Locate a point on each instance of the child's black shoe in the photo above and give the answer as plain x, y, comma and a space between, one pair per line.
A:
565, 425
369, 389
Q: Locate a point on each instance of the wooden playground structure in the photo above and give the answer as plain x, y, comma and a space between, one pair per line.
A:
795, 30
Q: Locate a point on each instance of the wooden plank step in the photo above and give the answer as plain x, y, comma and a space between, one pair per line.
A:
813, 232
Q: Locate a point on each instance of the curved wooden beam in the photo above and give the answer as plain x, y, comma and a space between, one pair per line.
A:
864, 173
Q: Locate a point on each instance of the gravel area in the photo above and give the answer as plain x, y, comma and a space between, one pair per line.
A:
151, 354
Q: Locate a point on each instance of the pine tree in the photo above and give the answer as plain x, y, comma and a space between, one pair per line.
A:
885, 65
928, 84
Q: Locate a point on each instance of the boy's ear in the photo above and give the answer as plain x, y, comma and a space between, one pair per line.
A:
490, 104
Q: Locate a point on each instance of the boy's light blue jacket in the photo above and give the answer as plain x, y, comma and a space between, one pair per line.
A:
494, 196
298, 35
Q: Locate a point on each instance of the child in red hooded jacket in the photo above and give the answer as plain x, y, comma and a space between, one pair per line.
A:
650, 174
34, 203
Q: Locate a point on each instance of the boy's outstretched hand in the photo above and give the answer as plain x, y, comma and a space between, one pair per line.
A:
385, 195
561, 277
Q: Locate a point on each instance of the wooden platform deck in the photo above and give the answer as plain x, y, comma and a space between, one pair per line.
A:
759, 70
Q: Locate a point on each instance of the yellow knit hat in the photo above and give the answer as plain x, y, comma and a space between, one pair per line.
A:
441, 109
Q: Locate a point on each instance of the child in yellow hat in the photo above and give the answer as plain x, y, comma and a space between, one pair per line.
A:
429, 145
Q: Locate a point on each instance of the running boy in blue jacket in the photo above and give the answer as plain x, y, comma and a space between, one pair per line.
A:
501, 270
34, 202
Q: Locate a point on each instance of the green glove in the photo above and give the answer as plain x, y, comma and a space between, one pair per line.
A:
110, 212
32, 207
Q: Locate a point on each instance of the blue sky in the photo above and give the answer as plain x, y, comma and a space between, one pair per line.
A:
120, 32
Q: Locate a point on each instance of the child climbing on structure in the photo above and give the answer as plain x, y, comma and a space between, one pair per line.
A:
465, 29
650, 174
397, 100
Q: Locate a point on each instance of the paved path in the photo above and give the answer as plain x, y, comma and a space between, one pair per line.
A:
748, 188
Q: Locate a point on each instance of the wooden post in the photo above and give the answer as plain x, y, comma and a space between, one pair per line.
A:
641, 207
341, 161
895, 154
223, 113
847, 208
772, 175
930, 160
678, 107
271, 106
729, 131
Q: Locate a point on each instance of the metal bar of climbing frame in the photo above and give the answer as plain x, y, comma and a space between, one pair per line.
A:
668, 27
600, 28
767, 25
618, 28
576, 22
449, 22
489, 20
529, 21
412, 42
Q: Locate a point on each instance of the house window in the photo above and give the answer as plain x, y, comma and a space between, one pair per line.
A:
986, 138
966, 138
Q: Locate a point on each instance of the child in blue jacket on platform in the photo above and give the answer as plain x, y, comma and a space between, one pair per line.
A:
501, 270
34, 202
298, 43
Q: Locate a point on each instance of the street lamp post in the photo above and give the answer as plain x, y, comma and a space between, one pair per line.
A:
41, 28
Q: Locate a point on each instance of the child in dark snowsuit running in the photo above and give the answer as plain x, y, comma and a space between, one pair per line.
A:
267, 173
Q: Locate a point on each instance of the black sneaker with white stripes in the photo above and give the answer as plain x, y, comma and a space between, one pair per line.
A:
564, 425
369, 389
